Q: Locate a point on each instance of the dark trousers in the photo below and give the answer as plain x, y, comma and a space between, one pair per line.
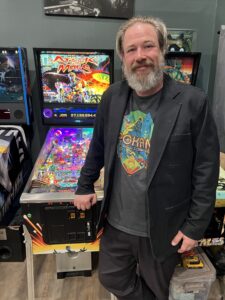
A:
128, 270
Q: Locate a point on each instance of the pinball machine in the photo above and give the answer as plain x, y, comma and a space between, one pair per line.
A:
71, 83
15, 162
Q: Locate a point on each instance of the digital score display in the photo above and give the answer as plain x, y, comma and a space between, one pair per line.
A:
77, 115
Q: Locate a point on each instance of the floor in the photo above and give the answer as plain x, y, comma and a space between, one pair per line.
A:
13, 284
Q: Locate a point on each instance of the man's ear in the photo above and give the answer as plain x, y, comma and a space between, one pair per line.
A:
121, 56
122, 68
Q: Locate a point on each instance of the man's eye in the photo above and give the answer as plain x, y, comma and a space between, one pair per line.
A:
149, 46
130, 50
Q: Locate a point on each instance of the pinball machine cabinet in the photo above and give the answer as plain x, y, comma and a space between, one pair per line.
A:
51, 218
47, 201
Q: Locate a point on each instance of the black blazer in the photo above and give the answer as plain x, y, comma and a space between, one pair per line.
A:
183, 161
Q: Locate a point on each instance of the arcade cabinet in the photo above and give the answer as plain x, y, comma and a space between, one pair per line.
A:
71, 83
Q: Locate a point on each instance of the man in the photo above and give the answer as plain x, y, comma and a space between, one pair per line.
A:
157, 141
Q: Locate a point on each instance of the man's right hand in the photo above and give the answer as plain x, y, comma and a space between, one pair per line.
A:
84, 202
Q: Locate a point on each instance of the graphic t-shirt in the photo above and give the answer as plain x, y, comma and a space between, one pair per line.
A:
128, 210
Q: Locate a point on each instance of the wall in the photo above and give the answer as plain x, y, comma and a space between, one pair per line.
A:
23, 23
217, 75
219, 20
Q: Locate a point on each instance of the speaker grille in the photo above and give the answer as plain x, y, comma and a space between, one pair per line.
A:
18, 114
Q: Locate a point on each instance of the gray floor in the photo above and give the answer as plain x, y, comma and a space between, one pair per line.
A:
13, 284
217, 291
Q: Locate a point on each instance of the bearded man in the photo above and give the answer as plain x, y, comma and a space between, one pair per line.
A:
157, 140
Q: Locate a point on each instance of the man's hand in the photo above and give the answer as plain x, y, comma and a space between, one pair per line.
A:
84, 202
187, 243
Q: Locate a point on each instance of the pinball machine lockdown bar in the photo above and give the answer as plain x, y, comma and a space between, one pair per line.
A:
52, 197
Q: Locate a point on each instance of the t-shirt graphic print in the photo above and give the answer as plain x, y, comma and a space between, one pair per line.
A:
134, 141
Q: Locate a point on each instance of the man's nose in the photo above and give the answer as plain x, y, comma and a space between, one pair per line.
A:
140, 54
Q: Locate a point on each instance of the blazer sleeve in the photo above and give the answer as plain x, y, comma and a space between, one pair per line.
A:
204, 175
95, 157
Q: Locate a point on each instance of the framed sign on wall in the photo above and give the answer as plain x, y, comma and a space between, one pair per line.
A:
181, 40
118, 9
182, 66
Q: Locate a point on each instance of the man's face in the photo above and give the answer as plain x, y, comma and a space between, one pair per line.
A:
142, 58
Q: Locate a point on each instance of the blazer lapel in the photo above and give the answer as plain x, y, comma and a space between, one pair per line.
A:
164, 124
117, 112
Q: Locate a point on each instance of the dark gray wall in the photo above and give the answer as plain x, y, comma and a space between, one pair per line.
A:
219, 20
23, 23
217, 75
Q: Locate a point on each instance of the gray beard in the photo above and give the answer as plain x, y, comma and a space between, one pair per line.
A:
144, 83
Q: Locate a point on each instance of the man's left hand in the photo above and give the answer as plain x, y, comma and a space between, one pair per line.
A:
187, 243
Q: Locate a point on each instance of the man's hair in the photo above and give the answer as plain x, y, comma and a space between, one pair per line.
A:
158, 25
